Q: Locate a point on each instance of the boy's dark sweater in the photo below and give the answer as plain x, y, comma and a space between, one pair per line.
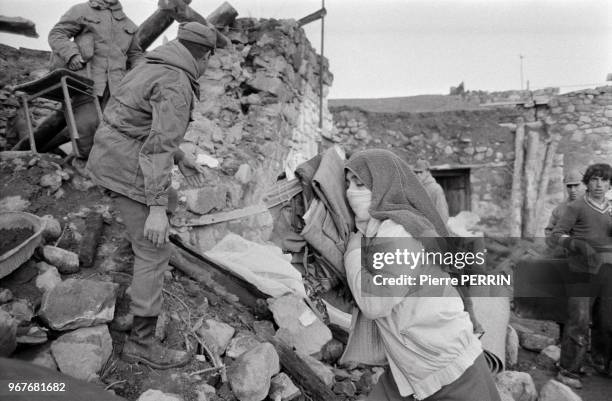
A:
585, 220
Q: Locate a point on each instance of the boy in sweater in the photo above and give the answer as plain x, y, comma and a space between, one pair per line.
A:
585, 229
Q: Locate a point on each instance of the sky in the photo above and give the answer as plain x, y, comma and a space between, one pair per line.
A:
389, 48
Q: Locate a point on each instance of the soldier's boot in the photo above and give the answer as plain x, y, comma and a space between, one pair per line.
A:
142, 346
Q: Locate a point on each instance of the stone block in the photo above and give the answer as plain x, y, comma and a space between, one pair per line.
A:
82, 353
322, 371
250, 375
283, 389
66, 262
555, 391
77, 303
48, 277
519, 384
204, 200
216, 334
241, 343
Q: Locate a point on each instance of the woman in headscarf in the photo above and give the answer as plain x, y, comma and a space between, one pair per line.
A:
427, 341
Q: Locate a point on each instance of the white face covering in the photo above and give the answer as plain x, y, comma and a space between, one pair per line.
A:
360, 199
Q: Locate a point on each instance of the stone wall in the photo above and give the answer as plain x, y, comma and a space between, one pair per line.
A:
472, 139
475, 140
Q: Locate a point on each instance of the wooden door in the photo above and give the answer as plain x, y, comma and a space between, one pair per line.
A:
456, 186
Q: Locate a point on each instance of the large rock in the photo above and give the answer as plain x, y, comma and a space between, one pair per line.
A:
322, 371
8, 333
512, 346
48, 277
78, 303
283, 389
555, 391
204, 200
53, 228
241, 343
298, 325
216, 334
156, 395
251, 373
82, 353
549, 356
66, 262
535, 341
519, 384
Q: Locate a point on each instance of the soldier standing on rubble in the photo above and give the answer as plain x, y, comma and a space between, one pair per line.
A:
104, 48
585, 230
133, 154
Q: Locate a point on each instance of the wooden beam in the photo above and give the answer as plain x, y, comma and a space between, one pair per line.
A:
516, 204
18, 25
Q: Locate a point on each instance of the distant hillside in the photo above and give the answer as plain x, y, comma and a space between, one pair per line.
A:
411, 104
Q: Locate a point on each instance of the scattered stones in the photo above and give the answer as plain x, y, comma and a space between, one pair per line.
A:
534, 341
555, 391
298, 325
251, 373
549, 356
216, 334
66, 262
52, 229
82, 353
156, 395
264, 330
283, 389
34, 335
48, 277
322, 371
332, 351
5, 295
51, 180
78, 303
81, 183
512, 346
241, 343
20, 310
8, 334
345, 387
519, 384
203, 200
13, 204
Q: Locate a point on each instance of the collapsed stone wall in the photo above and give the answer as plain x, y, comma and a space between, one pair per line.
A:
258, 117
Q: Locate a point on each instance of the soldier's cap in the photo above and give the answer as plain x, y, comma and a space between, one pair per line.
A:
421, 165
572, 177
198, 33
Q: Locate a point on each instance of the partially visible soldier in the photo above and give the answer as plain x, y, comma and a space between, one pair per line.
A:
434, 190
572, 181
98, 40
134, 151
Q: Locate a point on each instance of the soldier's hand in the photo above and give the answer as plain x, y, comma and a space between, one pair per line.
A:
76, 62
157, 228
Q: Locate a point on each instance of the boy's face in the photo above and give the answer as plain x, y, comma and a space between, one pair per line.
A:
572, 191
598, 186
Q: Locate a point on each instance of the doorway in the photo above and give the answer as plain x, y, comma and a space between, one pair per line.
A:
456, 186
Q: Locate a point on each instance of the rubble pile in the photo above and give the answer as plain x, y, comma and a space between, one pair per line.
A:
57, 313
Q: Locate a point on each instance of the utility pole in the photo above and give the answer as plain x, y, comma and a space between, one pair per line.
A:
319, 14
521, 57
